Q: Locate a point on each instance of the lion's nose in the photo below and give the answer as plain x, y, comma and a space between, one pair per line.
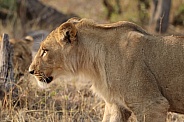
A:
31, 72
31, 69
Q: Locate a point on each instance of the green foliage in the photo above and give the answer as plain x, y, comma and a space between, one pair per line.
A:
143, 6
179, 17
181, 8
8, 6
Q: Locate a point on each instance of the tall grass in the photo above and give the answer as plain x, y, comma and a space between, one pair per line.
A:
59, 103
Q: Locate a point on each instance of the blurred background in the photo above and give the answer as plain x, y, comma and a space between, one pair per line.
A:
20, 17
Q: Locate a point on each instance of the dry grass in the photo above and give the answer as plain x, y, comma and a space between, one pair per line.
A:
59, 103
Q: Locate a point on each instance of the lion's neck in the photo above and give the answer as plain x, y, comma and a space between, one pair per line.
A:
87, 60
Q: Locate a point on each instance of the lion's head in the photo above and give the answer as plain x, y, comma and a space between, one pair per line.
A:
22, 55
52, 57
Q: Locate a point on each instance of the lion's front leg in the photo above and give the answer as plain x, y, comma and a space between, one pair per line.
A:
106, 117
115, 113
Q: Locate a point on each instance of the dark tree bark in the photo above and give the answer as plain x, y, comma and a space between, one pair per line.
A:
6, 65
35, 12
160, 15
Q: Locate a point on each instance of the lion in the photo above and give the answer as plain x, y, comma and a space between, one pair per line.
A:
22, 55
138, 75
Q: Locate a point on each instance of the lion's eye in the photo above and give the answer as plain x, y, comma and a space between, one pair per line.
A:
44, 52
20, 57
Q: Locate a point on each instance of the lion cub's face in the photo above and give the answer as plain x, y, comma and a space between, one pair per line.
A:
51, 60
22, 55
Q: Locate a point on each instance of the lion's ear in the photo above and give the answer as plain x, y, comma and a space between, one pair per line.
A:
29, 40
67, 32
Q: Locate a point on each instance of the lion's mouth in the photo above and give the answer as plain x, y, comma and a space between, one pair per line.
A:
45, 79
49, 79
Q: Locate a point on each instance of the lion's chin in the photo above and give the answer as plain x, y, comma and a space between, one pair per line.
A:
43, 85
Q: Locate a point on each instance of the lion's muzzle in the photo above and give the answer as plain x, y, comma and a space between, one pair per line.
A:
41, 76
31, 72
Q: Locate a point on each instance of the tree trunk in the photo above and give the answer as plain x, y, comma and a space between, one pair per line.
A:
6, 65
160, 15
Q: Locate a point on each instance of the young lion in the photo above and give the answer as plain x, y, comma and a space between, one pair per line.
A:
22, 55
134, 72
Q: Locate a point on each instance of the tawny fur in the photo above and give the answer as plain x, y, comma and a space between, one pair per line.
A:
138, 75
22, 55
